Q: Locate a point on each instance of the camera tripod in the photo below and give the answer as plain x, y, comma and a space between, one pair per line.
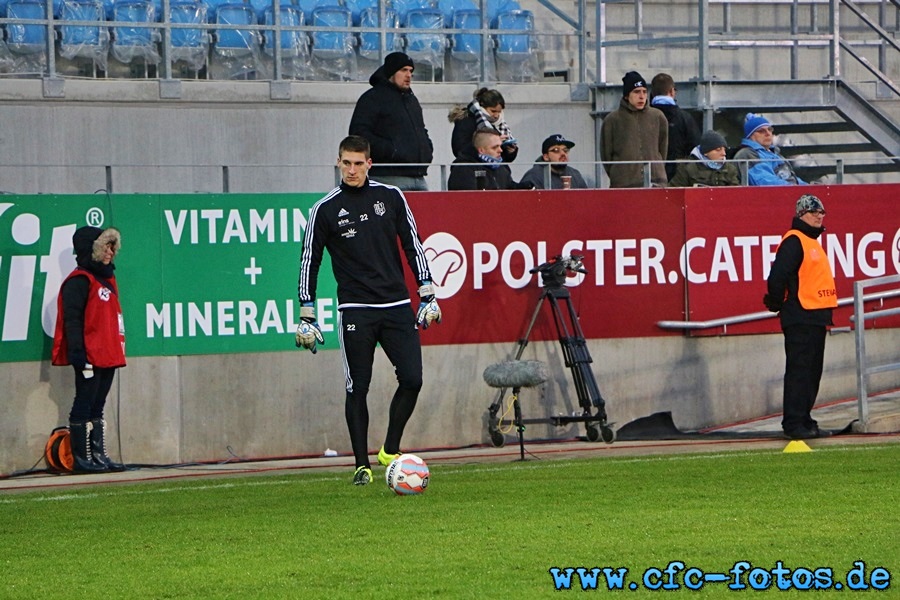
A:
577, 359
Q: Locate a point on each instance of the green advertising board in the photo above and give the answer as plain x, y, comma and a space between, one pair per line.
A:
198, 273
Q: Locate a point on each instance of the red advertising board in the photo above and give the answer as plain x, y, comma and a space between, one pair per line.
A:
651, 255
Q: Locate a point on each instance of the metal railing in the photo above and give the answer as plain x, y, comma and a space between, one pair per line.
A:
724, 322
80, 178
860, 316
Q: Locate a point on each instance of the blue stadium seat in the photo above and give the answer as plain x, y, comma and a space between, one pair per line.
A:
449, 7
465, 48
517, 51
237, 52
23, 38
333, 50
370, 43
84, 41
189, 45
293, 43
235, 42
426, 48
295, 60
357, 7
495, 7
132, 43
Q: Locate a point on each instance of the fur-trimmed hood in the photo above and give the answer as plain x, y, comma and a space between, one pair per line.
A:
90, 243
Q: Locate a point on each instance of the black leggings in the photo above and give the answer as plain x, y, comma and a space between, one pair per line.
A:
361, 329
90, 394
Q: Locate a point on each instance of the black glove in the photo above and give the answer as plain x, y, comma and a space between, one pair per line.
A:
77, 358
772, 304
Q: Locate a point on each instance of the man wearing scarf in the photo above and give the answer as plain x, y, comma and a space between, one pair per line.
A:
708, 167
483, 169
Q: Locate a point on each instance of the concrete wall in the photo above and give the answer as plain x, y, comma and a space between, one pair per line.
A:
180, 409
180, 146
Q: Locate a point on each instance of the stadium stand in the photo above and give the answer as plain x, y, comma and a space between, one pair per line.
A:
81, 41
190, 46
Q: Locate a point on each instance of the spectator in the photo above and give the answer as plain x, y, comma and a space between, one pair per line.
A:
554, 150
708, 167
800, 287
484, 112
767, 166
489, 173
684, 135
633, 135
90, 336
390, 117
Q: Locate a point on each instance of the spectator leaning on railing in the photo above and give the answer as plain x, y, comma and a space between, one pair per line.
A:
767, 166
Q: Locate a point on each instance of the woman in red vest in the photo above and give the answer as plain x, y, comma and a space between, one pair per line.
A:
801, 288
90, 336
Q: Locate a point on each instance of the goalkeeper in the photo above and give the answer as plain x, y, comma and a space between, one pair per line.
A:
359, 223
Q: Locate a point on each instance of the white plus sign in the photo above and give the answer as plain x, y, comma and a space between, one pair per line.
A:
253, 270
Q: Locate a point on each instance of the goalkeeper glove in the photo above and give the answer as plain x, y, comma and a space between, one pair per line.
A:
308, 331
429, 311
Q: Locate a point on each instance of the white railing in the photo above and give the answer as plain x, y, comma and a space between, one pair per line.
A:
860, 316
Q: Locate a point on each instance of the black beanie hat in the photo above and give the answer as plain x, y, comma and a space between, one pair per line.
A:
395, 61
632, 81
712, 140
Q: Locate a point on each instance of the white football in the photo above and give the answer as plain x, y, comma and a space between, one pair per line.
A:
407, 475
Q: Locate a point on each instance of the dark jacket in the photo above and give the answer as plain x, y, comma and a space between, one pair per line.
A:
698, 173
464, 126
360, 227
392, 121
628, 134
535, 176
684, 135
462, 176
783, 276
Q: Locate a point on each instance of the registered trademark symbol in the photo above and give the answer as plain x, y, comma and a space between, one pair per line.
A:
94, 217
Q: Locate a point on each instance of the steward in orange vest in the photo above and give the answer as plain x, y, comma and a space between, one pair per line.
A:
801, 288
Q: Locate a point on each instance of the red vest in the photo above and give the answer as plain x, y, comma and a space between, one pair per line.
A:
104, 329
816, 287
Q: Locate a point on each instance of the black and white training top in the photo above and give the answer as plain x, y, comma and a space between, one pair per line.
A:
360, 227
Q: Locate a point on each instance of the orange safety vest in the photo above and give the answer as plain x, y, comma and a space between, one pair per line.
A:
816, 287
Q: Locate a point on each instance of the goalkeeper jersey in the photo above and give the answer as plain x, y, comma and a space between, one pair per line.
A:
360, 228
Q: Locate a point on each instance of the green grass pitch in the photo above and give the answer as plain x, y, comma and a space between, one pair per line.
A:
479, 531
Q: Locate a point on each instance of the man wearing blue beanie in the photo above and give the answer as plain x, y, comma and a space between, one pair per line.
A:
766, 165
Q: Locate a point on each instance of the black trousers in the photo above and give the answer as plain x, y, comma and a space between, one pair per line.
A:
90, 394
804, 350
361, 329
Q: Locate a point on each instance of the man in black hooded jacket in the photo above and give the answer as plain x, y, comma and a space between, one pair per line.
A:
390, 117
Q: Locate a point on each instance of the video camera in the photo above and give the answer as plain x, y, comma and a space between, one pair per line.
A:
555, 271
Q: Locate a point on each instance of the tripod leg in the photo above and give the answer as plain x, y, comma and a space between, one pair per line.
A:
520, 427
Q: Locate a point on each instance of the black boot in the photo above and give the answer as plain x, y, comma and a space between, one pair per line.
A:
82, 459
98, 447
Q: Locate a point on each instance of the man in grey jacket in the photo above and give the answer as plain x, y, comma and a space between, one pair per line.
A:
555, 151
633, 135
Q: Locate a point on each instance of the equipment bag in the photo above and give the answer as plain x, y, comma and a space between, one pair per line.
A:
58, 451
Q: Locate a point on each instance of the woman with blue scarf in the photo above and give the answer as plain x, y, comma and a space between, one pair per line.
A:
708, 167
